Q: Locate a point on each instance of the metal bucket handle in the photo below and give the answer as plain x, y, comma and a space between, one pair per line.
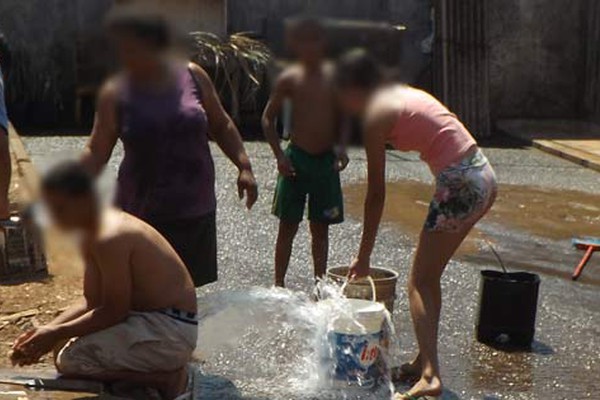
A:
371, 282
498, 258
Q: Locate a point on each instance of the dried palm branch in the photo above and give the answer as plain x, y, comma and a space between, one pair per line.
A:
239, 66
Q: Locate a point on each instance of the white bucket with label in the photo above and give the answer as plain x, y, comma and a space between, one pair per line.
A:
355, 340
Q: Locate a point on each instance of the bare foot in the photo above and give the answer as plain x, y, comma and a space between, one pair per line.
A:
175, 384
408, 372
424, 387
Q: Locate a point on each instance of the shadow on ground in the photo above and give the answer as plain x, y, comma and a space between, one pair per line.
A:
213, 387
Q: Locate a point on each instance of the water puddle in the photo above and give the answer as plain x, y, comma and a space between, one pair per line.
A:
406, 206
553, 214
276, 344
532, 225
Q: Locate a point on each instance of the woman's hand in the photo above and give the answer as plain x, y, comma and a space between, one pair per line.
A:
359, 268
247, 184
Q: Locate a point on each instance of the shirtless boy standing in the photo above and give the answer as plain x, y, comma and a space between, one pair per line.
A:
309, 166
136, 321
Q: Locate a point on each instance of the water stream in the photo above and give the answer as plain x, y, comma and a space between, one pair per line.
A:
276, 344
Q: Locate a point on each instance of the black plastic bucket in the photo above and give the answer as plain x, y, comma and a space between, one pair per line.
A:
507, 308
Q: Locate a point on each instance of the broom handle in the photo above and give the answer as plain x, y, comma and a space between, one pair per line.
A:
584, 261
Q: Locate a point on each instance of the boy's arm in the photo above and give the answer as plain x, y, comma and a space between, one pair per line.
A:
112, 259
91, 297
227, 136
90, 314
75, 310
273, 109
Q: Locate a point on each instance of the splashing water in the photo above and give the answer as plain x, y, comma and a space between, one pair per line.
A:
276, 344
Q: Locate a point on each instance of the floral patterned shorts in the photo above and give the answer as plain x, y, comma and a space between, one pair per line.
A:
464, 192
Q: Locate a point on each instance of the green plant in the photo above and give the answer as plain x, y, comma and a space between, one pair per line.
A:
239, 66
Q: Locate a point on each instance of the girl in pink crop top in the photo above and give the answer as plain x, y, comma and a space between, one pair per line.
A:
425, 125
412, 120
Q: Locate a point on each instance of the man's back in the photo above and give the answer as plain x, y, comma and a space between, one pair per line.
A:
159, 279
137, 319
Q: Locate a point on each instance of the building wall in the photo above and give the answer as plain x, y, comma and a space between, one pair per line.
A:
44, 36
544, 58
537, 50
49, 38
417, 16
592, 76
190, 15
266, 18
40, 33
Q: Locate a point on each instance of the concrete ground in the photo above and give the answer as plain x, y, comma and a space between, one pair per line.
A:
566, 356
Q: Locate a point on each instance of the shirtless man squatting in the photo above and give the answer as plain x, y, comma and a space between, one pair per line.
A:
310, 165
136, 321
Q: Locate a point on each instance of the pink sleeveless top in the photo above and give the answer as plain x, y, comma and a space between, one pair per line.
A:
426, 126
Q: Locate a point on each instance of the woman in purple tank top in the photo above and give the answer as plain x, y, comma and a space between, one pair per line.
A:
163, 111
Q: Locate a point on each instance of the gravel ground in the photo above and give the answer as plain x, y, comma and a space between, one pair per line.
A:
565, 360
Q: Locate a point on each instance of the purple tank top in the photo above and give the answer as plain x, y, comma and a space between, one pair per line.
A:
167, 173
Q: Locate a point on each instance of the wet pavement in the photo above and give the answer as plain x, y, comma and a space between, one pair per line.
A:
543, 202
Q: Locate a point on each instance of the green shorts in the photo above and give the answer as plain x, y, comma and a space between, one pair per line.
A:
316, 179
